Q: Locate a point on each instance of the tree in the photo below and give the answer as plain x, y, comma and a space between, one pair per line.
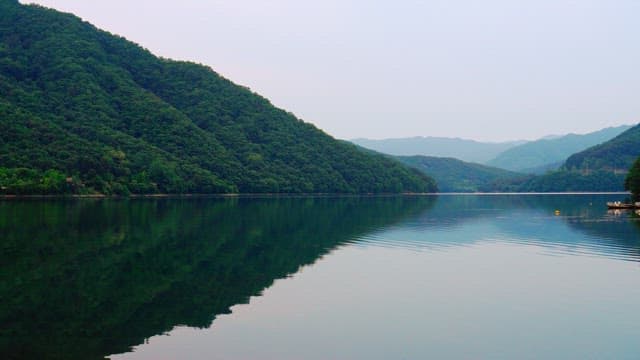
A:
632, 181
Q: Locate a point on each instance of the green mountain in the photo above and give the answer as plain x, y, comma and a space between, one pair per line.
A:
84, 111
616, 155
543, 153
466, 150
453, 175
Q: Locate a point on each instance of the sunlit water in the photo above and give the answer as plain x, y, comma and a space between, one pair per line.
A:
448, 277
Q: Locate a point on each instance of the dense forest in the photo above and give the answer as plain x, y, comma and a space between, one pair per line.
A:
83, 111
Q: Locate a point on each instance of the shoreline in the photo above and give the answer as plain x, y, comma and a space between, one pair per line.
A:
289, 195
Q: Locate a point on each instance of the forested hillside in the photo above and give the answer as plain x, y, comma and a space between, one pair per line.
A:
84, 111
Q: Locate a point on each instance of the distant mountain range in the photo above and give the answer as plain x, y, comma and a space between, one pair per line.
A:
534, 157
466, 150
601, 167
544, 154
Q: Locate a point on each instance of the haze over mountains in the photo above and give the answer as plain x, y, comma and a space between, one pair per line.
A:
597, 161
616, 155
462, 149
602, 167
535, 156
549, 151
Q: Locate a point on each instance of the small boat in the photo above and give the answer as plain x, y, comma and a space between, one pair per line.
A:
621, 205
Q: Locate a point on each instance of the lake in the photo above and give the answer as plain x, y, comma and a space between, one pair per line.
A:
415, 277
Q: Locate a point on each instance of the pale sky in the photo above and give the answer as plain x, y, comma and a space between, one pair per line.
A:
488, 70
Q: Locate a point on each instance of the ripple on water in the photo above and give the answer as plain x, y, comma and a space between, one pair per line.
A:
612, 237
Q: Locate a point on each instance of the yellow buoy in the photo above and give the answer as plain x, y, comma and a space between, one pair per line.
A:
557, 212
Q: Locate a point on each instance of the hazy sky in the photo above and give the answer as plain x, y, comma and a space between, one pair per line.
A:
479, 69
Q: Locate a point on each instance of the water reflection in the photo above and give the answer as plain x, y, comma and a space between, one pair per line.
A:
566, 224
486, 277
84, 279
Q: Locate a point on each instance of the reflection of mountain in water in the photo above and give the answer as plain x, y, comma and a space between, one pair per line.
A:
583, 224
84, 279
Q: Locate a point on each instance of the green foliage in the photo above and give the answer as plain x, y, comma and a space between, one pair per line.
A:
119, 120
632, 181
22, 181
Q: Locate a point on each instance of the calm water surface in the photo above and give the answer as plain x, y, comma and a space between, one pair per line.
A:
447, 277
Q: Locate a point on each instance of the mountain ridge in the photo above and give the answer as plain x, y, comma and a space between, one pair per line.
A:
85, 111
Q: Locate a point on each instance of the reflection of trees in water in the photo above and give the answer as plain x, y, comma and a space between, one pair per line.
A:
84, 279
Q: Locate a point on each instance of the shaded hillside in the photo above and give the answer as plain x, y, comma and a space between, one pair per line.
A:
84, 111
453, 175
617, 154
544, 153
466, 150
